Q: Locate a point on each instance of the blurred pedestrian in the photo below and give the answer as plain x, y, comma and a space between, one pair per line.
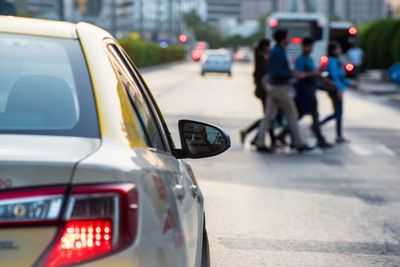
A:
355, 54
260, 72
280, 94
306, 86
337, 74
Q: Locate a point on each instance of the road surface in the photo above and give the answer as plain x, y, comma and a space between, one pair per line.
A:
338, 207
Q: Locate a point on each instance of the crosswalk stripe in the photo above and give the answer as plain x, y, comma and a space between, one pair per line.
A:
366, 150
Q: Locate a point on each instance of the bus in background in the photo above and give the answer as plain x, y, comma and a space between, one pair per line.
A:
301, 25
344, 33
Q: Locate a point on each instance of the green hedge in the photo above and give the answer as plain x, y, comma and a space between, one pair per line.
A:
146, 54
381, 43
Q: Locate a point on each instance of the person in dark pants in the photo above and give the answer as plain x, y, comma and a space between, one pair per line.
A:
280, 94
338, 75
260, 71
306, 86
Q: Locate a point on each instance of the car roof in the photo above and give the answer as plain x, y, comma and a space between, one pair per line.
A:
340, 24
39, 27
219, 52
298, 15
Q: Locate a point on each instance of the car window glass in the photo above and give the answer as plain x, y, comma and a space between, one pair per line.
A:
151, 101
45, 87
141, 107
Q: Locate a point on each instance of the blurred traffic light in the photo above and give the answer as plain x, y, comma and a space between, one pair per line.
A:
183, 38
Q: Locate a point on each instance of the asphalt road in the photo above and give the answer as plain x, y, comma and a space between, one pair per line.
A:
338, 207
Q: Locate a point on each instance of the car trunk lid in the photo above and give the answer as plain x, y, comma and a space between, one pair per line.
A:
27, 161
31, 169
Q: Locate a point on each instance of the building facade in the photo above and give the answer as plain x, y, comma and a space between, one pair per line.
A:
357, 11
218, 10
153, 19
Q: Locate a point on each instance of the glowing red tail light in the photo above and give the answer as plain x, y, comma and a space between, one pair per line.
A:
296, 40
239, 56
349, 67
98, 220
273, 23
81, 241
353, 31
324, 61
197, 54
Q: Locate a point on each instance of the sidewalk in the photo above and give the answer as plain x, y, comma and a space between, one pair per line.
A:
378, 87
373, 83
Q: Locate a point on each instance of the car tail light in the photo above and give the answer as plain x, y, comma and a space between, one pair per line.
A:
273, 23
197, 54
324, 61
352, 30
30, 207
99, 220
239, 56
296, 40
349, 67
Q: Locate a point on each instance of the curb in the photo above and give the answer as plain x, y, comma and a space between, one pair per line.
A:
378, 88
396, 99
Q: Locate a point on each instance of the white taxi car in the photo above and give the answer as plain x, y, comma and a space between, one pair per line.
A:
89, 174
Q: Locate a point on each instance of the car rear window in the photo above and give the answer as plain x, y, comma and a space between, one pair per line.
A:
301, 29
217, 57
45, 87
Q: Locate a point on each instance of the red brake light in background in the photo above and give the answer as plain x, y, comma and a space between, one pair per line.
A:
296, 40
197, 54
239, 55
352, 30
201, 45
183, 38
273, 23
324, 61
349, 67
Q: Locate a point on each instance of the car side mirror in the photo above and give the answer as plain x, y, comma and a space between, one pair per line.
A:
202, 140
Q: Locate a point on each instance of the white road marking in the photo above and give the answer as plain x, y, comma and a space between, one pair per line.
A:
366, 150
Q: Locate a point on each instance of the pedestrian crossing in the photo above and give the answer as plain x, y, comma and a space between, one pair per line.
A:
366, 150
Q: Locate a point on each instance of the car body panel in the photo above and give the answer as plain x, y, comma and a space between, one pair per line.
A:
28, 245
114, 119
170, 230
38, 27
52, 158
140, 165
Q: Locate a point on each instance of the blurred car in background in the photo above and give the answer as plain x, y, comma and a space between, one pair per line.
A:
243, 54
198, 50
216, 61
230, 51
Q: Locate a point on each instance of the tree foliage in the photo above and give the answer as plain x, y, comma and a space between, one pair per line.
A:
204, 32
381, 43
145, 54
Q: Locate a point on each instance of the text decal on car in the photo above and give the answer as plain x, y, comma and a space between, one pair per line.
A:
7, 245
5, 183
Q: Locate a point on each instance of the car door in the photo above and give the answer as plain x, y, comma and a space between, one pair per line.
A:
188, 202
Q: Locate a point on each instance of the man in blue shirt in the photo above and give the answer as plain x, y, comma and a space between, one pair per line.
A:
280, 94
306, 87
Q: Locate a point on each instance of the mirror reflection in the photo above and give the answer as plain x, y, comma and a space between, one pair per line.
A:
203, 140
